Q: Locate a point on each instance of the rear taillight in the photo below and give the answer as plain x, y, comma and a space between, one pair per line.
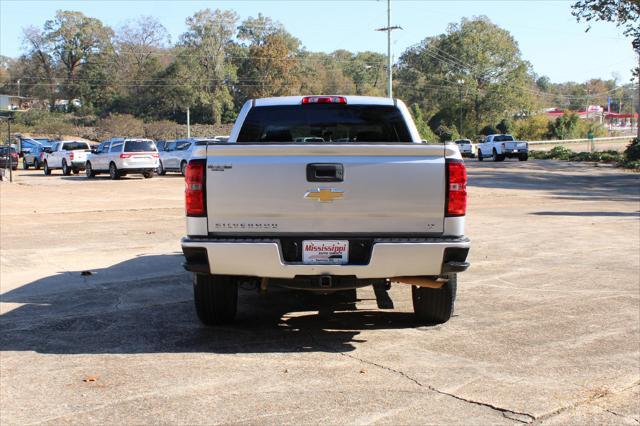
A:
324, 100
155, 155
125, 155
71, 156
194, 192
456, 188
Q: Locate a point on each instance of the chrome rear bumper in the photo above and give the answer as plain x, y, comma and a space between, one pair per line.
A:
389, 258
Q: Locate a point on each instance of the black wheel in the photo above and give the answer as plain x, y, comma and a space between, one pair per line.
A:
88, 171
113, 172
495, 156
435, 305
66, 170
183, 168
161, 170
523, 157
14, 167
36, 164
480, 157
47, 170
216, 298
75, 171
148, 175
25, 165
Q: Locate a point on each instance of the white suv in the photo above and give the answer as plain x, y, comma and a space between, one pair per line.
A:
176, 154
120, 156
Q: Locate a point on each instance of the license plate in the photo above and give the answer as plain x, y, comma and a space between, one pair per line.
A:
333, 252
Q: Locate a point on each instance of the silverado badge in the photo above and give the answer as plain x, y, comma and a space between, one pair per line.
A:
324, 195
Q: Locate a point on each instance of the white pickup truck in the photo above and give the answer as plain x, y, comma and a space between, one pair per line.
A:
325, 193
70, 156
500, 147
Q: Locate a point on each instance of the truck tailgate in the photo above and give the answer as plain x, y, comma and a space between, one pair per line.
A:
266, 189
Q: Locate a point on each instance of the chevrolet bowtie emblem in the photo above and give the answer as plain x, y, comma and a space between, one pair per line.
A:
324, 195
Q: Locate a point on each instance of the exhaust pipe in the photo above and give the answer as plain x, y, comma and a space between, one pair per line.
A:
420, 281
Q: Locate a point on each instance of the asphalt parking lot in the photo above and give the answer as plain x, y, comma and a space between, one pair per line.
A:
546, 329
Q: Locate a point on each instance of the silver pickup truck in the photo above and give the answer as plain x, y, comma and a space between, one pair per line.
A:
325, 193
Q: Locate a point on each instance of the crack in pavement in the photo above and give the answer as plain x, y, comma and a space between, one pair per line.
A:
510, 414
621, 415
585, 402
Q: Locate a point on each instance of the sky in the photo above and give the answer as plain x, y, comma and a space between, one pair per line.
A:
548, 35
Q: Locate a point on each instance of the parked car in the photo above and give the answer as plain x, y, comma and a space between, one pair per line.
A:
69, 156
466, 147
326, 216
176, 154
500, 147
123, 156
160, 145
33, 152
8, 157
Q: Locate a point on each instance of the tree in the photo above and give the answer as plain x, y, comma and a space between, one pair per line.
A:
625, 13
209, 72
140, 53
269, 69
564, 127
504, 126
423, 127
256, 31
474, 56
39, 53
72, 39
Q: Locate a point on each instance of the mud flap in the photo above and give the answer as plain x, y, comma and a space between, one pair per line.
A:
382, 296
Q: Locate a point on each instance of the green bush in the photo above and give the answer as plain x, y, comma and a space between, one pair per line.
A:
632, 152
534, 128
560, 153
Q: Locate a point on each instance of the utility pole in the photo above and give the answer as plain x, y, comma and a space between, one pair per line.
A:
10, 159
460, 83
188, 123
388, 29
638, 104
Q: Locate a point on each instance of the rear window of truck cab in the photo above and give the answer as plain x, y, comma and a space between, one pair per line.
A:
324, 123
74, 146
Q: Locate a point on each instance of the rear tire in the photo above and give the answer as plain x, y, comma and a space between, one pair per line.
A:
66, 170
88, 171
114, 174
47, 170
435, 305
36, 164
147, 175
480, 157
25, 165
161, 170
183, 168
216, 298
